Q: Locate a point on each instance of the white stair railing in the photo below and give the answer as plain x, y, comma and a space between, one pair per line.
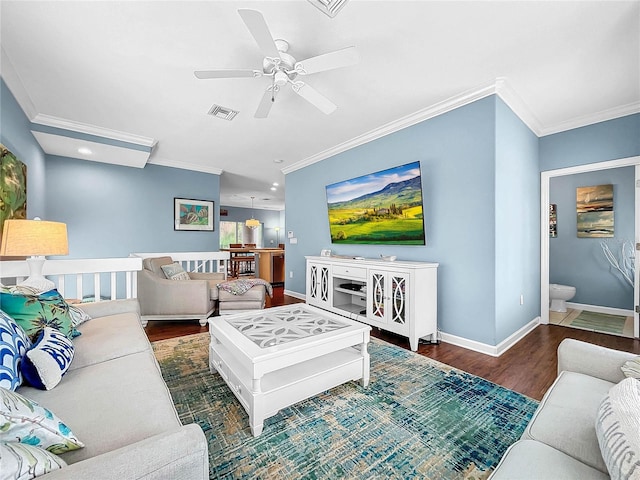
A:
194, 261
82, 278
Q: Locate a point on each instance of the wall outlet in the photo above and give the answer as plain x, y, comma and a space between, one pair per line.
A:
291, 274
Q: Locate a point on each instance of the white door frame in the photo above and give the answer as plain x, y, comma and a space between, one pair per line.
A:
544, 228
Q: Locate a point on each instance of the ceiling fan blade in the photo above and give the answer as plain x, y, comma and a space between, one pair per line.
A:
314, 97
328, 61
204, 74
256, 24
267, 101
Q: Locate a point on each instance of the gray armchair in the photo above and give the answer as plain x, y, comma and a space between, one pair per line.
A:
164, 299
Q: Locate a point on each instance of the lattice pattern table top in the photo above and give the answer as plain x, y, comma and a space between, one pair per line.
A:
269, 328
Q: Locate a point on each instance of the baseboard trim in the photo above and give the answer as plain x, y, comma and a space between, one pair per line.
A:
599, 309
291, 293
492, 350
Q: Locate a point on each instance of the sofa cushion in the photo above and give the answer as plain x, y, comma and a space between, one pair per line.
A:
531, 460
48, 359
618, 430
113, 404
565, 418
24, 420
174, 271
109, 337
14, 343
154, 264
631, 368
34, 312
23, 462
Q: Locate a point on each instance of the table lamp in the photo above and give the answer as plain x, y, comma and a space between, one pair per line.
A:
34, 238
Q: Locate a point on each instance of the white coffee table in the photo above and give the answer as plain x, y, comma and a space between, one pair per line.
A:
279, 356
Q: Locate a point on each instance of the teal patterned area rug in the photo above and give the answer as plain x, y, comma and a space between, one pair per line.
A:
417, 419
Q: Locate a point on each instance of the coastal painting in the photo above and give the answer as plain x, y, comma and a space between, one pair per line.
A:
594, 207
189, 214
380, 208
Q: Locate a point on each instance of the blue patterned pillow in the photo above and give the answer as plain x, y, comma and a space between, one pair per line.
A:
13, 345
22, 461
25, 421
48, 359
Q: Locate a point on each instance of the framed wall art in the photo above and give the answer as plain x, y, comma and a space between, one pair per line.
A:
594, 208
193, 215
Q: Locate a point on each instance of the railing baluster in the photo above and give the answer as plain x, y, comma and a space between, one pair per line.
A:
114, 288
97, 294
61, 285
79, 291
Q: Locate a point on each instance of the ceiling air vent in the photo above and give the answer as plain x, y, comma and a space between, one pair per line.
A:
223, 112
329, 7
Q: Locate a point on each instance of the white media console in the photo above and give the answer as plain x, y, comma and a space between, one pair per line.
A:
399, 296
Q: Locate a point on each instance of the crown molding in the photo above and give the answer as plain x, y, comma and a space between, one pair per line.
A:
508, 95
164, 162
440, 108
583, 121
64, 124
14, 82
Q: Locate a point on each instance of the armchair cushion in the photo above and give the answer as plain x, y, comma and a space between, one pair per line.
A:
154, 264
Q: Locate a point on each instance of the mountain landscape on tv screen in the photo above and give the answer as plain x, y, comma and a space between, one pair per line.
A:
392, 215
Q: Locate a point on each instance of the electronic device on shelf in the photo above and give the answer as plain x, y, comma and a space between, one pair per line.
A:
351, 286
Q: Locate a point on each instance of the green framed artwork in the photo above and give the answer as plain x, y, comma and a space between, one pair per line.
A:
594, 207
194, 215
13, 187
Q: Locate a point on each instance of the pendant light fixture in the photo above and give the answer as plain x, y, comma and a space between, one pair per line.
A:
252, 222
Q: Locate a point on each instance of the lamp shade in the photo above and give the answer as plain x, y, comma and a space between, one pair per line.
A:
33, 237
252, 223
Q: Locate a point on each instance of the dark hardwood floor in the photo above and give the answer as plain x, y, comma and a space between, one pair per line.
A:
529, 367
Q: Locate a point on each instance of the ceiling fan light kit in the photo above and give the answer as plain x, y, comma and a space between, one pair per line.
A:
282, 67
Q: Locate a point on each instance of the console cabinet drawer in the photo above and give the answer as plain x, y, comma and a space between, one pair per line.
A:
349, 272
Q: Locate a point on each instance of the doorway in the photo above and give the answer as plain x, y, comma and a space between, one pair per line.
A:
545, 247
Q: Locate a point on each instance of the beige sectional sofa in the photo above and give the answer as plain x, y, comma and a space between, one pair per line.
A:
560, 441
116, 402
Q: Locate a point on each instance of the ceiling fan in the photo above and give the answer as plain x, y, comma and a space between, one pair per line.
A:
282, 68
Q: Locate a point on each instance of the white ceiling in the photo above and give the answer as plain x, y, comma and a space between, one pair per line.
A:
125, 70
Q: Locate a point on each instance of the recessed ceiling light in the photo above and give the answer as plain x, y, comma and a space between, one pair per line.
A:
273, 189
278, 161
275, 184
84, 151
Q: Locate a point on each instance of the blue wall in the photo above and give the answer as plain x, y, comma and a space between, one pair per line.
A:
113, 210
16, 136
619, 138
579, 261
457, 153
517, 223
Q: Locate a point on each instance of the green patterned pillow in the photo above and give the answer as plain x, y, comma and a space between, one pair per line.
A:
23, 420
22, 461
34, 312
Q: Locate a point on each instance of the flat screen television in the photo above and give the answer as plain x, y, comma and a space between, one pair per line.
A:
382, 208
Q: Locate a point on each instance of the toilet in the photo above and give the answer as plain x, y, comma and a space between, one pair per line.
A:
559, 294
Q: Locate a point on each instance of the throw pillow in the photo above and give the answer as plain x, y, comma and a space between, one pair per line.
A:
25, 421
618, 430
48, 359
174, 271
14, 343
34, 312
23, 462
631, 368
78, 315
